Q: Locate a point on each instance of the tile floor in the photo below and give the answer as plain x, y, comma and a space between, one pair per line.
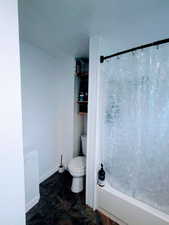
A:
59, 206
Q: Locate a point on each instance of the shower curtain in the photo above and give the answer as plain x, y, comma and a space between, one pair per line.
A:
135, 124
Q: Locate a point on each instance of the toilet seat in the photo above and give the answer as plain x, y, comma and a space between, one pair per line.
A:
77, 166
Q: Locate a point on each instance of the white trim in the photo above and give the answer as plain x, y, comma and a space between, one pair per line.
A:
32, 203
93, 121
48, 174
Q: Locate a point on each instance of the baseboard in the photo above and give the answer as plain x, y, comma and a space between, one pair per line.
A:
32, 203
48, 174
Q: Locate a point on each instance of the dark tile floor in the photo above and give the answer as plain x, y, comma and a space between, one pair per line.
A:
59, 206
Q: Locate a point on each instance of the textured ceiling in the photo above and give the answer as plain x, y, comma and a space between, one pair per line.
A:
65, 25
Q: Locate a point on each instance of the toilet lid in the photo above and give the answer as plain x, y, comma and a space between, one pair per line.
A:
78, 163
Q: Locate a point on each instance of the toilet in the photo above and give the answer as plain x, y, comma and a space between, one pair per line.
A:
77, 168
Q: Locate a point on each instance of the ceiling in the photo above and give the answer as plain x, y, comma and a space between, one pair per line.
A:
66, 25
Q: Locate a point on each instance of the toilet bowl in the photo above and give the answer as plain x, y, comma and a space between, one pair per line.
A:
77, 168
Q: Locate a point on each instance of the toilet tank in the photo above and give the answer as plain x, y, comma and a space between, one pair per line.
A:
84, 144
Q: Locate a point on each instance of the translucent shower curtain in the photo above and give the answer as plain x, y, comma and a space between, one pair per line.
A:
135, 124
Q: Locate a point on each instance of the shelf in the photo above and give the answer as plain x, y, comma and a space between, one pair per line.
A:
82, 74
82, 113
82, 102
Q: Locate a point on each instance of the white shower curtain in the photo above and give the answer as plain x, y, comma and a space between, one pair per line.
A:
135, 124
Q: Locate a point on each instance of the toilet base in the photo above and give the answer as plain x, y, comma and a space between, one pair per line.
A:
77, 184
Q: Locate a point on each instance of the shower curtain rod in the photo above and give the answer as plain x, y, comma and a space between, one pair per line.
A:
102, 58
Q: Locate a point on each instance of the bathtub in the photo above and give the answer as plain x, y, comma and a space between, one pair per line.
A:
126, 210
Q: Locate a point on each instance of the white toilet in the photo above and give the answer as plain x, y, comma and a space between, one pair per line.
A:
77, 168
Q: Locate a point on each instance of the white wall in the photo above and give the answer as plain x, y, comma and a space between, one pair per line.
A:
93, 122
65, 106
47, 100
12, 206
85, 124
144, 27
